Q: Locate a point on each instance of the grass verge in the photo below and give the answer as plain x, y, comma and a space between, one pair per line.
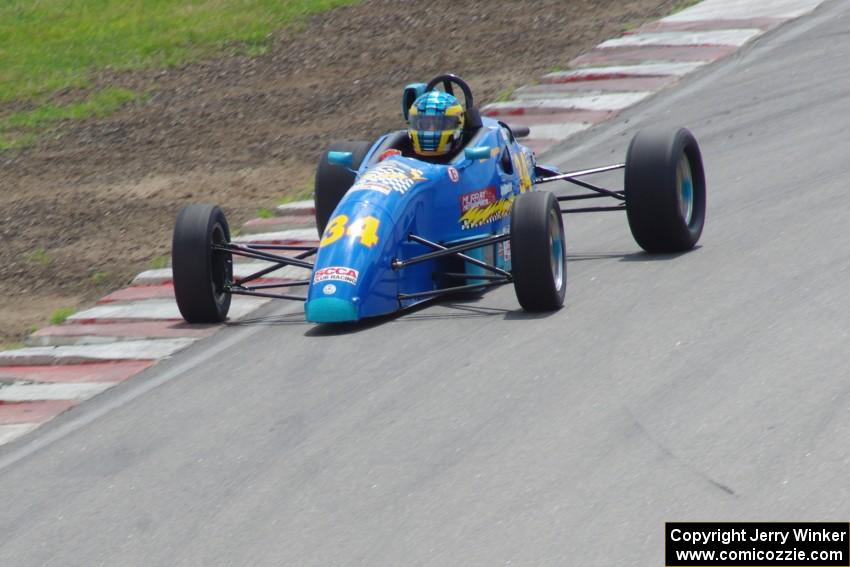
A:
41, 257
160, 262
297, 195
682, 4
60, 315
55, 44
21, 128
52, 45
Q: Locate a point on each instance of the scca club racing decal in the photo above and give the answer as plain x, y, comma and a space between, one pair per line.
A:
483, 207
389, 175
335, 273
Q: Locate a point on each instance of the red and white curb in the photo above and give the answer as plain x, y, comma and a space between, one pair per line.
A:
125, 333
287, 216
296, 209
131, 329
621, 72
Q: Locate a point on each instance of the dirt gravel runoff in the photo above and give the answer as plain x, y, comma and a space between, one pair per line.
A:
93, 203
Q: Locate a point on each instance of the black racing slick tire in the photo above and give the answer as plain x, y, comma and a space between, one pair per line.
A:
201, 274
538, 252
665, 190
332, 181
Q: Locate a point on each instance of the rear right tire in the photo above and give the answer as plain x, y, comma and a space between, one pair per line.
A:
333, 181
665, 190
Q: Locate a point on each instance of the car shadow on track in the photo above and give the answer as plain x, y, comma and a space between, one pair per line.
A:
270, 320
453, 310
460, 309
638, 256
450, 309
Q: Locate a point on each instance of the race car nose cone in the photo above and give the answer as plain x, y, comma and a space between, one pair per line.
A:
330, 310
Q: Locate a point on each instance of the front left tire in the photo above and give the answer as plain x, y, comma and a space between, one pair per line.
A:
201, 274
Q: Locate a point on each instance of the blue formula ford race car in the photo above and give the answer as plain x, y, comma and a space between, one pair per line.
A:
452, 204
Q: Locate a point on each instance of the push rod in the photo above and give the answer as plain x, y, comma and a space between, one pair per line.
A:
470, 259
593, 209
397, 264
273, 286
580, 197
580, 173
257, 275
280, 247
470, 276
259, 255
271, 295
447, 290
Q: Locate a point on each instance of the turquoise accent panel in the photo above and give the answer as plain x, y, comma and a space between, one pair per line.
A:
472, 269
411, 93
476, 153
330, 310
345, 159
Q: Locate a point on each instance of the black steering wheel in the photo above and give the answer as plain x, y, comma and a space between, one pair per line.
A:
447, 80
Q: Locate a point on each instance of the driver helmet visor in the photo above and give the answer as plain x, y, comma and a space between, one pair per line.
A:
434, 122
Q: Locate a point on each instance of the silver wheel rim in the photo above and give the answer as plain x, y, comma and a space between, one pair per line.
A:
219, 260
556, 246
685, 184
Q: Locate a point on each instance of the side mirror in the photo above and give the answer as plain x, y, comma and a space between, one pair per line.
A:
477, 153
411, 93
345, 159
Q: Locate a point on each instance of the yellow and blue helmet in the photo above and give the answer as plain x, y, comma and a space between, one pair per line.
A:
435, 123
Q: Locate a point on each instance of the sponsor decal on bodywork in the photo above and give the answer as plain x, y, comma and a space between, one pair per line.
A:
388, 153
454, 175
366, 228
389, 175
485, 214
521, 164
504, 250
336, 273
480, 198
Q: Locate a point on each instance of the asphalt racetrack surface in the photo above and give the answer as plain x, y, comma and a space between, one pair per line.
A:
708, 386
